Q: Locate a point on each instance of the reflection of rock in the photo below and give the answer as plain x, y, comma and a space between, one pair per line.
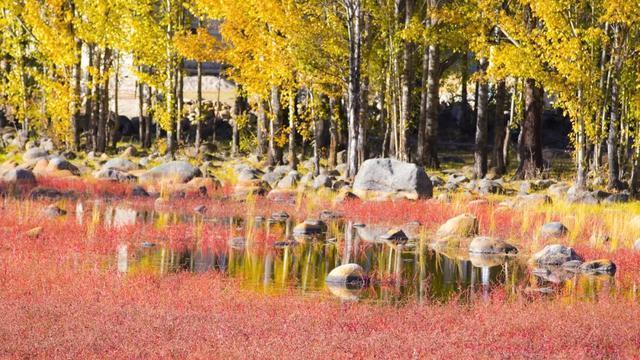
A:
450, 241
602, 266
395, 236
555, 254
346, 274
123, 258
330, 215
573, 265
374, 233
310, 227
553, 274
284, 244
542, 290
345, 292
489, 245
462, 225
124, 217
237, 243
201, 209
371, 233
53, 211
487, 260
452, 254
280, 216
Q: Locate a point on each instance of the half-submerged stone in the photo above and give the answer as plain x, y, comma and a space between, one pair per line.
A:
346, 274
555, 254
602, 266
380, 179
395, 236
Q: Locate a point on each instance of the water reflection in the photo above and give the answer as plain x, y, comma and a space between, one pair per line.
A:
398, 272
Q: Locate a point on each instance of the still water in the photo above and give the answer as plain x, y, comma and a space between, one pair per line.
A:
287, 262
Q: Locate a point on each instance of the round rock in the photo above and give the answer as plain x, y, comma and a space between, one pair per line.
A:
346, 274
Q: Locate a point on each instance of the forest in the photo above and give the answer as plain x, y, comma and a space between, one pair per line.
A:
311, 179
366, 76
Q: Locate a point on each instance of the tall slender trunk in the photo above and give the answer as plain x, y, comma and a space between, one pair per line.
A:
170, 92
614, 182
433, 104
634, 182
97, 103
581, 158
293, 160
605, 76
353, 24
141, 121
275, 122
530, 144
333, 133
104, 113
364, 115
407, 76
480, 154
423, 107
199, 115
116, 110
77, 90
500, 129
317, 135
148, 119
240, 109
512, 114
88, 105
262, 126
179, 101
384, 121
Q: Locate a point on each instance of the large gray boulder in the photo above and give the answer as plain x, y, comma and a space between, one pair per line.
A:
114, 175
58, 163
390, 178
34, 153
120, 164
174, 171
19, 176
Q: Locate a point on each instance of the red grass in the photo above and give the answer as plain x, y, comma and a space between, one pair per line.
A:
60, 298
60, 311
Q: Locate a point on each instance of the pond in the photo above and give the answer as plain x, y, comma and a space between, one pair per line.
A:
397, 272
